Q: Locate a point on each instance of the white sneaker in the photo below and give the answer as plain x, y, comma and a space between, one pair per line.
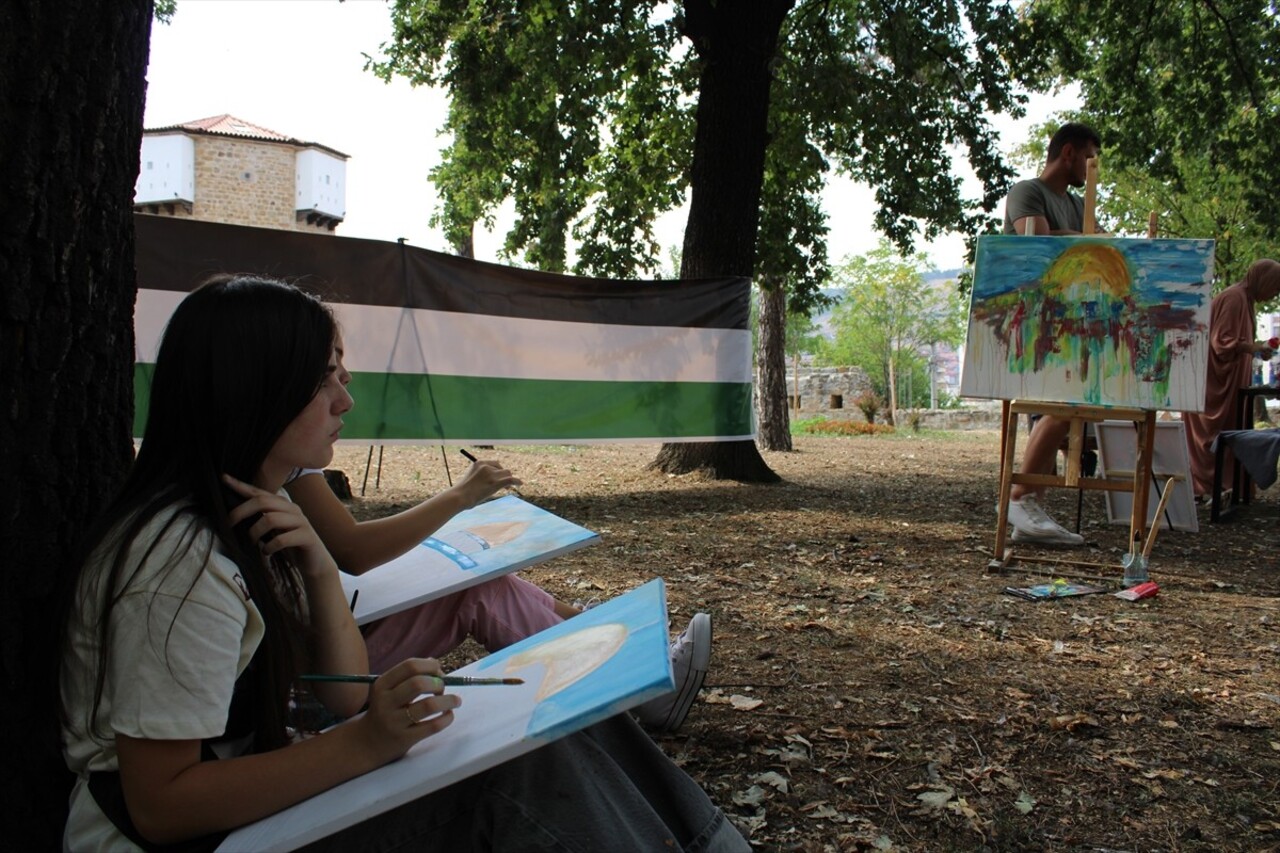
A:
1032, 524
690, 658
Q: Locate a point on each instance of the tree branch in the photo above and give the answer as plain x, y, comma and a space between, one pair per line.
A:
1245, 75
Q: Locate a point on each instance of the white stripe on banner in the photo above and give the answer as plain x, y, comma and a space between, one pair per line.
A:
404, 340
151, 313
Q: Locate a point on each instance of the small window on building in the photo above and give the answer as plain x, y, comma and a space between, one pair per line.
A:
837, 401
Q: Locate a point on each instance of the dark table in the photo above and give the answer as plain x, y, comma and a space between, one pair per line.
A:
1240, 480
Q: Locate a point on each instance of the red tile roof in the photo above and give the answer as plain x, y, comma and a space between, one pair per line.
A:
229, 125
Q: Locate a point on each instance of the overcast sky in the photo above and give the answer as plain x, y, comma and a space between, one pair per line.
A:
297, 67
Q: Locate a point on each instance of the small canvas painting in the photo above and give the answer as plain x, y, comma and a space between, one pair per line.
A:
500, 536
597, 664
1096, 321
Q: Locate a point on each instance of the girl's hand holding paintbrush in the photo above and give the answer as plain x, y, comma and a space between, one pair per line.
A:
407, 703
482, 479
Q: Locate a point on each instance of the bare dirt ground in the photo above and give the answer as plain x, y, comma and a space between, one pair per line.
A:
871, 686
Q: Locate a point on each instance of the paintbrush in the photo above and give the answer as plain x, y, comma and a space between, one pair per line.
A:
449, 680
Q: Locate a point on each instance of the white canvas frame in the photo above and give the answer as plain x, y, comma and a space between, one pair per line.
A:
1118, 453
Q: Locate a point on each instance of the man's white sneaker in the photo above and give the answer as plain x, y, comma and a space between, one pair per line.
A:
1032, 524
1063, 537
690, 659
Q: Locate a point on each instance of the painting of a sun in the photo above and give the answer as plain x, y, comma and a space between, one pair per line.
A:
1096, 321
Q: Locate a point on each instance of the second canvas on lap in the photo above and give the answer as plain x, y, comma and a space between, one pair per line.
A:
495, 538
1097, 321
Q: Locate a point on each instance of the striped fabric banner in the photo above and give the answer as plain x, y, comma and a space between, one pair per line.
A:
445, 349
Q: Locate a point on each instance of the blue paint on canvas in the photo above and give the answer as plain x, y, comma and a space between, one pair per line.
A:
616, 649
1005, 263
498, 533
570, 684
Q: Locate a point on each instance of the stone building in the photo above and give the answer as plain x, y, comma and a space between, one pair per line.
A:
225, 169
832, 393
827, 390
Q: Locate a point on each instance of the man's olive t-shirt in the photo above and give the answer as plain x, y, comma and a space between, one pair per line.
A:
1034, 198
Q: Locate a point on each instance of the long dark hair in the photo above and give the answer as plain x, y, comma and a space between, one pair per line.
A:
240, 358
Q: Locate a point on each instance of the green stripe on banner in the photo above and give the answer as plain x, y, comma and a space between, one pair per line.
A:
398, 406
142, 374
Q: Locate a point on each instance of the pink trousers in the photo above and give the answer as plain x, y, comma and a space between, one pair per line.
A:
496, 613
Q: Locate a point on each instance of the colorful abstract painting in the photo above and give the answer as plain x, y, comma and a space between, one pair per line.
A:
1098, 321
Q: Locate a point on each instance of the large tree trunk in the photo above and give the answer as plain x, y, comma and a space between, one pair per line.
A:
71, 100
771, 370
736, 42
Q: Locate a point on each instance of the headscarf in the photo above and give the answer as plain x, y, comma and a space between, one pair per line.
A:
1262, 276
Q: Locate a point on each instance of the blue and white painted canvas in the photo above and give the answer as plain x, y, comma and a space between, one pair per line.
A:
614, 649
597, 664
501, 536
1099, 321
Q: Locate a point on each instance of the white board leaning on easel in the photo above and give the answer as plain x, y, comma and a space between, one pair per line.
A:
1117, 454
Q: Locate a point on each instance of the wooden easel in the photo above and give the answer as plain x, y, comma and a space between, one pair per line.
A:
1139, 484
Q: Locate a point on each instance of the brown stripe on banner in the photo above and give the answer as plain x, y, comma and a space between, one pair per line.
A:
476, 287
178, 254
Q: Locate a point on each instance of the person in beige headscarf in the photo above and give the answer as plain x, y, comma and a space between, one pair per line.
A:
1232, 326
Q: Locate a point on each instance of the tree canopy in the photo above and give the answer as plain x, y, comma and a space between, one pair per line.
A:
1186, 96
583, 114
1207, 200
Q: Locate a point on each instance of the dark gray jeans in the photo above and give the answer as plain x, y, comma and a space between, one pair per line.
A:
608, 787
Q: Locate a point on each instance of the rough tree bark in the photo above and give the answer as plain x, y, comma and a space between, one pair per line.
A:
72, 85
736, 42
774, 411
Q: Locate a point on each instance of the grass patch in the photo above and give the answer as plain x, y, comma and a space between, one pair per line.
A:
822, 426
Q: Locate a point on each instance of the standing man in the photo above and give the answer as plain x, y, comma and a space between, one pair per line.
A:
1048, 204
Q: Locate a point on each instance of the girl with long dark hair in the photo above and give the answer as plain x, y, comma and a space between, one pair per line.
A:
206, 592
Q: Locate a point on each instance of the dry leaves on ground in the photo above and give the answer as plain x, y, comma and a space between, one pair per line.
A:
872, 689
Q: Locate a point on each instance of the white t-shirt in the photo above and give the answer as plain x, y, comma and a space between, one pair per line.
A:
180, 637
